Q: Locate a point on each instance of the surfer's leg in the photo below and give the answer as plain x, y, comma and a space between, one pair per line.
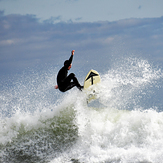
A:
68, 84
68, 87
75, 80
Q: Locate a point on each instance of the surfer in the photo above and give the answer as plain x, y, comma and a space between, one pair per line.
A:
67, 82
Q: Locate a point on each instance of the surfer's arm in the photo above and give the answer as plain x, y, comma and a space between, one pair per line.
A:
56, 86
71, 57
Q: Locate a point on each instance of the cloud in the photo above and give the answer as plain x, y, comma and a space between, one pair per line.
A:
6, 42
25, 42
78, 19
53, 20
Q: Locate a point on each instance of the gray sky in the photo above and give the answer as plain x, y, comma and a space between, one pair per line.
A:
40, 33
84, 10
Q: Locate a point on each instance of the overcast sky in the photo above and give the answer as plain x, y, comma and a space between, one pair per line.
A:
84, 10
43, 32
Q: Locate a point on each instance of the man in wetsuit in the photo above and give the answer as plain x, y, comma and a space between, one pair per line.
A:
67, 82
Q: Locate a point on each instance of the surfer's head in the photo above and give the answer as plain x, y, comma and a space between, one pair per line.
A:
67, 64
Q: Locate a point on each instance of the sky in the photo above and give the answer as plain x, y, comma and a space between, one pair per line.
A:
84, 10
38, 34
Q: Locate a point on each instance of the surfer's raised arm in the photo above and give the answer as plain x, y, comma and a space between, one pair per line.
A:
67, 63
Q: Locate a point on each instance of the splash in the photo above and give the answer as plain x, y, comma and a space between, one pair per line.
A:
40, 124
129, 84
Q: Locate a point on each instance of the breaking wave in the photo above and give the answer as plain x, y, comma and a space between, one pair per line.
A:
124, 123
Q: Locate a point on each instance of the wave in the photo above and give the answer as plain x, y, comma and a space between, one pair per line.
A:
40, 124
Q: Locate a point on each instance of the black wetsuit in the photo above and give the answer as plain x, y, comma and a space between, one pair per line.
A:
64, 81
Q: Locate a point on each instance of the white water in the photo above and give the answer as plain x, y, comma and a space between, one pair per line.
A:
125, 124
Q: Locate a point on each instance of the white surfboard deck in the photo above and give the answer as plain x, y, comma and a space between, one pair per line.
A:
91, 80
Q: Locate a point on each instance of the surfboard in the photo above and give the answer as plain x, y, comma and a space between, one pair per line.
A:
91, 79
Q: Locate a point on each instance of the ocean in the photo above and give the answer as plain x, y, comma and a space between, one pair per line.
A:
39, 124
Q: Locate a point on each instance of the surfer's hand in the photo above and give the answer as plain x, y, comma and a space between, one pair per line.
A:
72, 52
56, 86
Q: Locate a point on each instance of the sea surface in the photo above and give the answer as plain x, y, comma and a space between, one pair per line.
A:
39, 124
